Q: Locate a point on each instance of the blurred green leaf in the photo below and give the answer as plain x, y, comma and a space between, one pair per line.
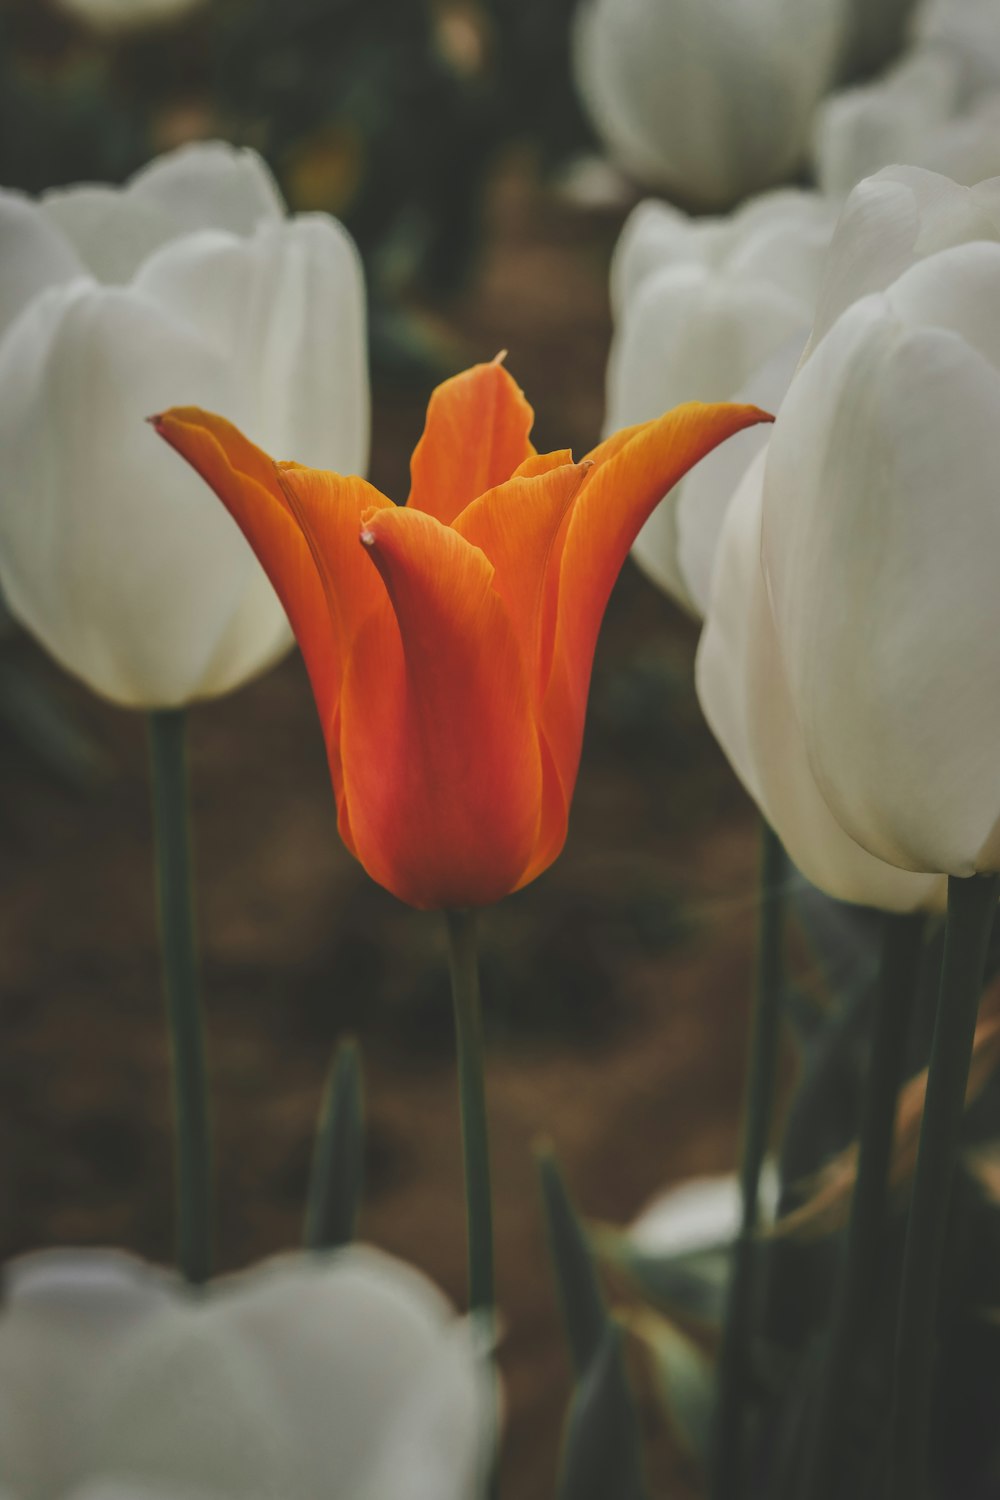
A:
584, 1311
691, 1282
601, 1455
685, 1381
338, 1160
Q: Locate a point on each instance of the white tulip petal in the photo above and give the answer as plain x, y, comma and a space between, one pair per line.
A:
891, 433
209, 185
188, 1404
438, 1443
146, 624
111, 234
346, 1339
704, 496
65, 1314
287, 308
34, 255
700, 1213
653, 236
691, 334
917, 114
127, 15
744, 695
892, 219
968, 30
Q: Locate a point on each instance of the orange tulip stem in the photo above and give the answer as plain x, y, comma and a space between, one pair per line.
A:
193, 1167
972, 907
472, 1096
734, 1382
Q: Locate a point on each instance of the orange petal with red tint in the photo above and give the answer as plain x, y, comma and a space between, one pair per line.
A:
246, 481
441, 763
516, 525
475, 436
328, 508
631, 474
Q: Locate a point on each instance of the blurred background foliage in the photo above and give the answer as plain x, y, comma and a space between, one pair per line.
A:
387, 113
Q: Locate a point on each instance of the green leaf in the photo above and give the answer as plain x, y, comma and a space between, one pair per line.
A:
685, 1381
338, 1158
601, 1453
691, 1282
584, 1311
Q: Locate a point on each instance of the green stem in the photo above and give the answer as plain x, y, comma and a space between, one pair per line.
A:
167, 728
472, 1095
971, 910
860, 1270
726, 1462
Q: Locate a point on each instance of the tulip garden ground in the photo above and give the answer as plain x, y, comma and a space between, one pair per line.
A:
616, 987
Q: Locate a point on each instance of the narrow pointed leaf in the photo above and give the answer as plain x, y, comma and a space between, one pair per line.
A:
338, 1158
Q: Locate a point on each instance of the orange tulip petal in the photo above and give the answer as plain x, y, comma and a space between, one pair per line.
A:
541, 463
475, 436
516, 525
632, 472
328, 508
246, 481
441, 763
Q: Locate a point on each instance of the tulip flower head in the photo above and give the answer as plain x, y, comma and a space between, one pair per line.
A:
189, 281
450, 642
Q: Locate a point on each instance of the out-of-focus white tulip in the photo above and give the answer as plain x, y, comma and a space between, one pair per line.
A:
345, 1377
745, 698
969, 30
919, 113
706, 100
701, 1213
881, 532
713, 310
128, 15
188, 286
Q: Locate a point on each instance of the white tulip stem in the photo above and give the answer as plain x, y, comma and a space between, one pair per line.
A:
193, 1168
972, 905
734, 1382
862, 1263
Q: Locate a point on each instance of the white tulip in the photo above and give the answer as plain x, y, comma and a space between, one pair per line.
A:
744, 696
701, 1213
343, 1376
712, 310
188, 286
706, 100
880, 537
970, 30
919, 113
127, 15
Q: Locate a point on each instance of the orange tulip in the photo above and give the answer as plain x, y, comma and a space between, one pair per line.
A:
450, 642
